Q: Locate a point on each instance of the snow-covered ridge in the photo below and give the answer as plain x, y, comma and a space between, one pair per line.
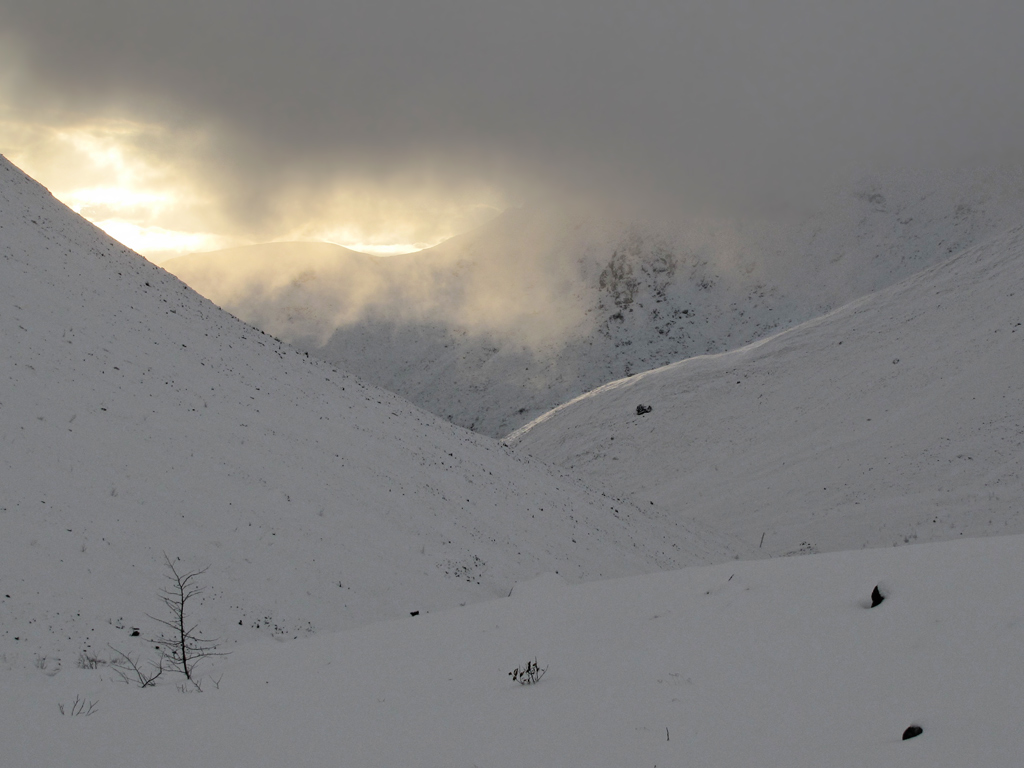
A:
896, 418
137, 418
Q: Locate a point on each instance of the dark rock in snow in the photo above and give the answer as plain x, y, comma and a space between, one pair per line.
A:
876, 597
912, 731
642, 409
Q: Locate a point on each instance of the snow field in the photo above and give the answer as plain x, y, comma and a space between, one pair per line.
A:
767, 663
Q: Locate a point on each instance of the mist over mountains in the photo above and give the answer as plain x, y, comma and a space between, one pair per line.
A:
495, 327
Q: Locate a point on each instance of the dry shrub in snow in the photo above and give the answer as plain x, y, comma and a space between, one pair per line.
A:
528, 673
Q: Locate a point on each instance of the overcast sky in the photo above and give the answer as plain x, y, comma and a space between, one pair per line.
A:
402, 121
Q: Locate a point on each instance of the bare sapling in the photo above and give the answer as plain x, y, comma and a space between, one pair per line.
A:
183, 645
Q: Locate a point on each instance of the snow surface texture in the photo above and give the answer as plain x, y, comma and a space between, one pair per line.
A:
137, 418
897, 418
774, 664
493, 328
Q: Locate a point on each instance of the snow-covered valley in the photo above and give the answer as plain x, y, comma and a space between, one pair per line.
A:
634, 556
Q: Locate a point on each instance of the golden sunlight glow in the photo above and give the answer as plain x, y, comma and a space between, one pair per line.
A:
100, 146
98, 171
132, 180
116, 197
395, 249
159, 244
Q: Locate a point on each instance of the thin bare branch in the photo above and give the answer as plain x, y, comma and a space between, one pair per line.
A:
79, 707
129, 671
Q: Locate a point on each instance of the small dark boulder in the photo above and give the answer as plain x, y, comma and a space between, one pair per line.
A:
912, 731
642, 409
876, 597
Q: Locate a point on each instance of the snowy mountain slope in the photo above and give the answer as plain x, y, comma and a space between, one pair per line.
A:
499, 325
137, 418
897, 418
777, 663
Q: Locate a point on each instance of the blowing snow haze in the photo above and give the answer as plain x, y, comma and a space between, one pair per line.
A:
384, 123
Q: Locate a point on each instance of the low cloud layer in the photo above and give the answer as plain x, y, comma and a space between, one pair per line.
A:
410, 120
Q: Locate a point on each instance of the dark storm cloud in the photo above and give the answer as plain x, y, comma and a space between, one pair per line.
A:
726, 100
